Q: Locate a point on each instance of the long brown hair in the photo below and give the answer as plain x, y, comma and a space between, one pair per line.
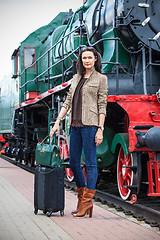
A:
98, 64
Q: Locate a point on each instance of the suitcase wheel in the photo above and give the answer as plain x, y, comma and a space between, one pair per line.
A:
36, 210
62, 213
49, 214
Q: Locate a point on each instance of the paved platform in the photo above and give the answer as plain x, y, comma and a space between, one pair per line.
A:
18, 221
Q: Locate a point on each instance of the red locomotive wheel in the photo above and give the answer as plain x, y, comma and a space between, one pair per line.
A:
64, 153
69, 174
85, 173
124, 174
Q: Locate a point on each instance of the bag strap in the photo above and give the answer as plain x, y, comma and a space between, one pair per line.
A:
44, 139
53, 140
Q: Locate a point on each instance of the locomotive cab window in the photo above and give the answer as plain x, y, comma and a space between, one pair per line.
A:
15, 63
29, 54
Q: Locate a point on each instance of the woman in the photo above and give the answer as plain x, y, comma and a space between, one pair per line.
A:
87, 100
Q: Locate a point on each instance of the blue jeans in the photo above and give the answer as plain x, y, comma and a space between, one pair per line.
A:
83, 138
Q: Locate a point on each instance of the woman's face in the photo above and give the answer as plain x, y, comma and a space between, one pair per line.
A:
88, 60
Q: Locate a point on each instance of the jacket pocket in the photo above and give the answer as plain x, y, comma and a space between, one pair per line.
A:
93, 84
93, 89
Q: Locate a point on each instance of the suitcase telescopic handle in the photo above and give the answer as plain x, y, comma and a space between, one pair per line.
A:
45, 173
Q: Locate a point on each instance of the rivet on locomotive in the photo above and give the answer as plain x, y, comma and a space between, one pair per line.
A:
127, 35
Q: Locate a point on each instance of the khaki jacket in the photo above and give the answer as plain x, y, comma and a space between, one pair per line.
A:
94, 97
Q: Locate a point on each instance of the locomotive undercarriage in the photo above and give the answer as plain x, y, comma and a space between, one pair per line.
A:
29, 123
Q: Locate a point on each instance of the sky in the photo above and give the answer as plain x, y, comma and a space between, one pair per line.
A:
19, 18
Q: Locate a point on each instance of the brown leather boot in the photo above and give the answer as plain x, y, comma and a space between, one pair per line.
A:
86, 206
80, 194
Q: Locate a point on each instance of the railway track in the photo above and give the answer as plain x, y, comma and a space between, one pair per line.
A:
137, 210
146, 209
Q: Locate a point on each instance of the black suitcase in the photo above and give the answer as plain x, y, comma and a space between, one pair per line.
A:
49, 190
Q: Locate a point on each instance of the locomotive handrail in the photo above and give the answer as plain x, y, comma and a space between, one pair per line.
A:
112, 63
60, 75
49, 50
101, 40
50, 68
53, 77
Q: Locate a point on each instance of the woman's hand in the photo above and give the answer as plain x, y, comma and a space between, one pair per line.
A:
59, 118
55, 129
99, 137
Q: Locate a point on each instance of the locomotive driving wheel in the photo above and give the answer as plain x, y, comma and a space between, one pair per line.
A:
128, 174
64, 153
69, 174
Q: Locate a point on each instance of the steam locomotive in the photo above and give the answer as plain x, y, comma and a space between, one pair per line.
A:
126, 34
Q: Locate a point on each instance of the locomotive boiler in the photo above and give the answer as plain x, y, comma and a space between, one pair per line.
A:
126, 33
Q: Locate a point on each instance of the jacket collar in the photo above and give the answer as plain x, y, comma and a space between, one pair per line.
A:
92, 72
79, 76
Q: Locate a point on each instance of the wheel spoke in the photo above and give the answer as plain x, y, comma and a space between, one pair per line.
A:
64, 153
69, 174
124, 174
129, 174
128, 180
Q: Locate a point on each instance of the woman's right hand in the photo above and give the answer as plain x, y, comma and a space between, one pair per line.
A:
59, 118
55, 129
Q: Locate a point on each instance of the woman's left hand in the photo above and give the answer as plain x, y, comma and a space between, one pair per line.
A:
99, 137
